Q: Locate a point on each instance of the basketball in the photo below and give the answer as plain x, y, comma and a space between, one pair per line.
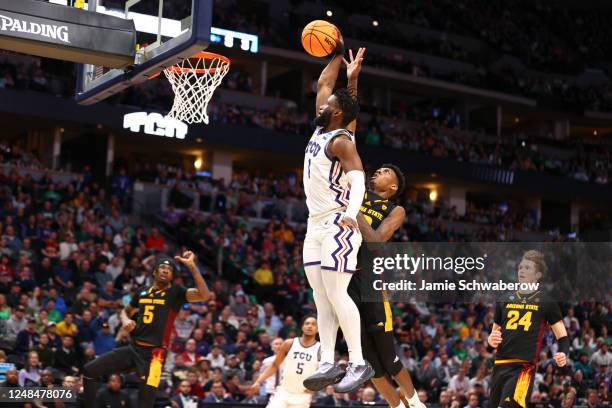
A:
319, 38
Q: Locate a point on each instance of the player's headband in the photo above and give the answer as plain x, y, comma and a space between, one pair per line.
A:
164, 260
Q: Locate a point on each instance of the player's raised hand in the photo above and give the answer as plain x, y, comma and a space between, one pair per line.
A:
495, 338
560, 359
347, 221
353, 65
187, 259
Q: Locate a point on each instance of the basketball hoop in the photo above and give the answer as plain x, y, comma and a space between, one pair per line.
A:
194, 81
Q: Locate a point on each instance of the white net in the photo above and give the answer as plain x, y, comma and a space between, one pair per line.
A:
194, 81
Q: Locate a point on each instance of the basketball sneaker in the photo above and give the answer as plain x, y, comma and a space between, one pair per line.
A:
355, 376
326, 374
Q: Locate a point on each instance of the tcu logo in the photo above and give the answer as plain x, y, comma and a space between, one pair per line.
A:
302, 356
313, 148
155, 124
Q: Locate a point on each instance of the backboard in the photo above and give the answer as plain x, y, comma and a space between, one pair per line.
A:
168, 31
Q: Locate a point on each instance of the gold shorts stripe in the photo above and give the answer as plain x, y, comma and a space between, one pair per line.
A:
522, 387
511, 361
155, 368
388, 317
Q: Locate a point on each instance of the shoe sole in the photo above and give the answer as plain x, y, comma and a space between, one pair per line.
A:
317, 384
356, 385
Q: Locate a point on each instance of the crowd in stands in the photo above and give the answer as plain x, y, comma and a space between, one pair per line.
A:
70, 259
516, 30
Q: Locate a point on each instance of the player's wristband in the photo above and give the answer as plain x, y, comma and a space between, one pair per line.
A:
339, 50
564, 345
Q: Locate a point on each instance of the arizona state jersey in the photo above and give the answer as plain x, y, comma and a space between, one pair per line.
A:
375, 209
523, 319
375, 315
157, 310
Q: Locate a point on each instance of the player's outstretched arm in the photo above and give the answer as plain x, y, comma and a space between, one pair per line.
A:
272, 368
328, 77
353, 69
345, 150
200, 293
385, 230
560, 332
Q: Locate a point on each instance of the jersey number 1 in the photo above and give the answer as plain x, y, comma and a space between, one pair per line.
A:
515, 320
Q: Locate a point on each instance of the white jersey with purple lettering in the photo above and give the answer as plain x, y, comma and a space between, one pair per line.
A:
327, 243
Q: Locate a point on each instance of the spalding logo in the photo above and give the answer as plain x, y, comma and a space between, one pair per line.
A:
44, 30
155, 124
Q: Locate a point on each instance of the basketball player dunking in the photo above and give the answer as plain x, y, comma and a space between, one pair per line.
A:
299, 358
334, 184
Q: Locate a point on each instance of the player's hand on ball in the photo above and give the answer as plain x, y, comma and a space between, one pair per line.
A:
188, 258
347, 221
353, 65
129, 325
560, 359
495, 338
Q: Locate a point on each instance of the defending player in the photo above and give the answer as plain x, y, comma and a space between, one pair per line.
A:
334, 184
378, 221
154, 309
519, 324
300, 357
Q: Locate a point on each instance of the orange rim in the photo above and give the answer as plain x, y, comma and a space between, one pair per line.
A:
202, 55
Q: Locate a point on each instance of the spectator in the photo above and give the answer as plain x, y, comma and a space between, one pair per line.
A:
155, 240
459, 384
66, 358
27, 339
218, 394
184, 399
46, 352
29, 375
67, 327
113, 395
215, 357
16, 323
12, 379
602, 358
104, 341
190, 357
472, 401
332, 398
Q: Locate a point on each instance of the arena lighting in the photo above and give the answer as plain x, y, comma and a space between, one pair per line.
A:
595, 133
197, 164
375, 23
145, 23
433, 195
329, 13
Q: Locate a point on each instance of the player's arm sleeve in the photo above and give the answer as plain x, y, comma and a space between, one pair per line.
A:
497, 315
345, 150
180, 296
553, 313
134, 301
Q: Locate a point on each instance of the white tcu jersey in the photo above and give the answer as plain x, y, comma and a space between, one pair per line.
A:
300, 363
325, 184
